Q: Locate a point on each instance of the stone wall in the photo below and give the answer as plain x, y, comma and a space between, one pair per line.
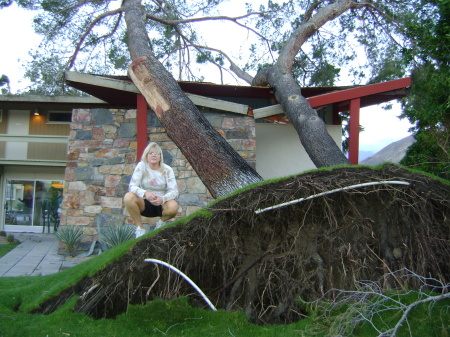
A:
102, 156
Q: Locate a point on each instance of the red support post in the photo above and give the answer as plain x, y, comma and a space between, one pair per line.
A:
353, 142
141, 125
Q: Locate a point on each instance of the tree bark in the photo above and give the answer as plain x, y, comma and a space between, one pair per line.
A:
217, 164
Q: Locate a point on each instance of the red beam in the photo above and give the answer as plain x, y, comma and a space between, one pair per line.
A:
141, 121
353, 137
349, 94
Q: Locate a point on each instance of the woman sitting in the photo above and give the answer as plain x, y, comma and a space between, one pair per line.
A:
152, 190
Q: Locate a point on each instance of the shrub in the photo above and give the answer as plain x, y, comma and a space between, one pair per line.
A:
116, 235
71, 236
10, 238
2, 233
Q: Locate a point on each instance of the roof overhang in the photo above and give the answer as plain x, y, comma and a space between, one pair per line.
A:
372, 94
69, 102
120, 91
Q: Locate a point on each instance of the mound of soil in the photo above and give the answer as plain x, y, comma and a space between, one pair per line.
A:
263, 263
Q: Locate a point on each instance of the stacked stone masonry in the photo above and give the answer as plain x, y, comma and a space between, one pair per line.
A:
102, 156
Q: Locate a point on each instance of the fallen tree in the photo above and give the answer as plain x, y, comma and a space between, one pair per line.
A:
263, 263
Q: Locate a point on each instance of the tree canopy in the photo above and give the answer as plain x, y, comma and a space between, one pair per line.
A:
362, 45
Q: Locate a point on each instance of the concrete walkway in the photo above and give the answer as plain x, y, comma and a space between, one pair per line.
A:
37, 254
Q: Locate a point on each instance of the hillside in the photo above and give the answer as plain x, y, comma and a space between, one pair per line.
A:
393, 153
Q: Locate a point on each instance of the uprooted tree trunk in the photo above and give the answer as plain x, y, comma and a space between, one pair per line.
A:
312, 132
265, 263
310, 128
217, 164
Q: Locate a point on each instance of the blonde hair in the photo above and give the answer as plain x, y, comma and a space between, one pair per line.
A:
157, 148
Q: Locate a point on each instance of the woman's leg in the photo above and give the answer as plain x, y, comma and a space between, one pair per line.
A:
134, 206
169, 210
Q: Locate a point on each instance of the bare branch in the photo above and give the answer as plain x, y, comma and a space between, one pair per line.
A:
372, 6
407, 310
382, 26
233, 67
366, 303
88, 30
211, 18
116, 26
205, 18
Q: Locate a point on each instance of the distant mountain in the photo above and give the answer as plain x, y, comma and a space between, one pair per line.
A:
393, 153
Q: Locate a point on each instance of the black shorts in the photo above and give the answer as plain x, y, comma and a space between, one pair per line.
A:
151, 210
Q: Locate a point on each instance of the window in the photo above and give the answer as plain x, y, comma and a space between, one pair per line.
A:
55, 117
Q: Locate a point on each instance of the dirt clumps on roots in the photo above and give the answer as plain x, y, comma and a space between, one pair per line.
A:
264, 263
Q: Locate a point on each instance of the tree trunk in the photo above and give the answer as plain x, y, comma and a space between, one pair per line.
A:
311, 129
217, 164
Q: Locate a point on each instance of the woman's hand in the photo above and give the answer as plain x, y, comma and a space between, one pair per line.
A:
153, 198
157, 201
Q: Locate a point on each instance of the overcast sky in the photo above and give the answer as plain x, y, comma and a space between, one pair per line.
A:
17, 38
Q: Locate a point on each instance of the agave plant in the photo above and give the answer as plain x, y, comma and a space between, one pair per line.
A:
71, 236
116, 235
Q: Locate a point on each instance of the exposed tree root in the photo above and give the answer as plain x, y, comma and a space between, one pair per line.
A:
262, 263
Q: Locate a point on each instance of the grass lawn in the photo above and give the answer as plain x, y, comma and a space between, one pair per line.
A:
5, 248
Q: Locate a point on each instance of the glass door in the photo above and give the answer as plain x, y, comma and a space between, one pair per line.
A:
32, 203
19, 202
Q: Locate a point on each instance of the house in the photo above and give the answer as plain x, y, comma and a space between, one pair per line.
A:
73, 156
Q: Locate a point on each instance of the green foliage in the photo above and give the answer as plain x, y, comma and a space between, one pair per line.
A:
116, 235
5, 3
46, 72
325, 75
71, 236
10, 238
4, 81
427, 155
2, 233
428, 105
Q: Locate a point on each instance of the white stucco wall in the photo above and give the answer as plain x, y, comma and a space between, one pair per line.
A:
279, 151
